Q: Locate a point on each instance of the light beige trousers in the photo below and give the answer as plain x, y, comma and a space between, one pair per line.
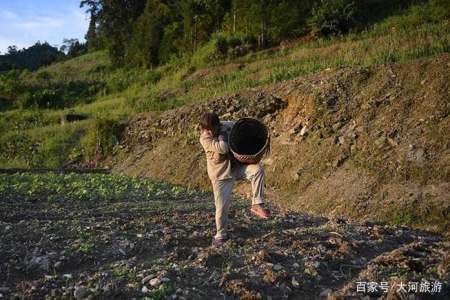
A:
222, 192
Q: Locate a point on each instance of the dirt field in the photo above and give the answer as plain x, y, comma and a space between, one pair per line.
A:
159, 247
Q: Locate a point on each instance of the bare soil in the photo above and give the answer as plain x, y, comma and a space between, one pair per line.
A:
135, 249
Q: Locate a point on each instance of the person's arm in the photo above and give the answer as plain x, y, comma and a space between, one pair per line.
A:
210, 143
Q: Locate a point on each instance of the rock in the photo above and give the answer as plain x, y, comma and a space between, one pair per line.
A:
67, 276
278, 267
145, 289
325, 293
147, 278
80, 292
340, 160
304, 130
392, 142
155, 282
41, 262
295, 283
165, 279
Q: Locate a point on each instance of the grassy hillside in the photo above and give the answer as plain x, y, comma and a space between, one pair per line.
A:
90, 86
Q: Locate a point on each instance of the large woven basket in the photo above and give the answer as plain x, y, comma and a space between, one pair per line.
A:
249, 140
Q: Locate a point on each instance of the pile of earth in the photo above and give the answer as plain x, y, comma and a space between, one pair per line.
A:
363, 143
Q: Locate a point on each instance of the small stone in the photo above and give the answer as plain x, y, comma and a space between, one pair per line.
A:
147, 278
58, 264
145, 289
155, 282
80, 292
325, 293
140, 235
303, 131
295, 283
296, 265
165, 279
7, 228
278, 267
67, 276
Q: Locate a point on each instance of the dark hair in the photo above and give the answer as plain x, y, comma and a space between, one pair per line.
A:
210, 121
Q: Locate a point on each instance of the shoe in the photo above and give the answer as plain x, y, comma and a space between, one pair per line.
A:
217, 242
259, 211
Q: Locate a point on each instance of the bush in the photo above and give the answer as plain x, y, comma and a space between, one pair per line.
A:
434, 11
100, 139
44, 98
214, 50
16, 145
332, 17
55, 149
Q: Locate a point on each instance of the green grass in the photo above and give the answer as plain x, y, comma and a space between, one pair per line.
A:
420, 32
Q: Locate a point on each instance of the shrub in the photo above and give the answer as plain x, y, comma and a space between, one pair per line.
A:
332, 17
214, 50
100, 139
44, 98
15, 145
54, 149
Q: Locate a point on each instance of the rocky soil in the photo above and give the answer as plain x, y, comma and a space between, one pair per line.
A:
161, 249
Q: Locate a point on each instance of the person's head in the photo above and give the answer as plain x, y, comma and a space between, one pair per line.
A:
210, 121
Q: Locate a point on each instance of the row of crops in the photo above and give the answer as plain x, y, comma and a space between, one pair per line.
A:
86, 187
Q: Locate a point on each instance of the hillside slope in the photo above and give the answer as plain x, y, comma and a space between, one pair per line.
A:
355, 142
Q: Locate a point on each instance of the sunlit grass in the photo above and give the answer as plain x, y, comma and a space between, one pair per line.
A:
129, 91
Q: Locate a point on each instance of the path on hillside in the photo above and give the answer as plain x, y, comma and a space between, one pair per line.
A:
162, 249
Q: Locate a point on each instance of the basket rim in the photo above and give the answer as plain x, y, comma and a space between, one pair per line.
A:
263, 149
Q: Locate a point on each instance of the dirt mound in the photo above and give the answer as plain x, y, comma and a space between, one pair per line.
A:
355, 142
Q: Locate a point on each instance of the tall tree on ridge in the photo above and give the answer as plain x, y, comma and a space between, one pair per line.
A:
147, 35
93, 9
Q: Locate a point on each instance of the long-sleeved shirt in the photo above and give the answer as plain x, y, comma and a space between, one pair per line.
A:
217, 151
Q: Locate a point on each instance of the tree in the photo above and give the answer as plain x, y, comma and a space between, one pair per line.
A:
40, 54
12, 50
144, 50
73, 47
93, 9
116, 21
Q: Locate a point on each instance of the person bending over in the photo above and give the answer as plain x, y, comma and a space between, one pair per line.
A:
223, 170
